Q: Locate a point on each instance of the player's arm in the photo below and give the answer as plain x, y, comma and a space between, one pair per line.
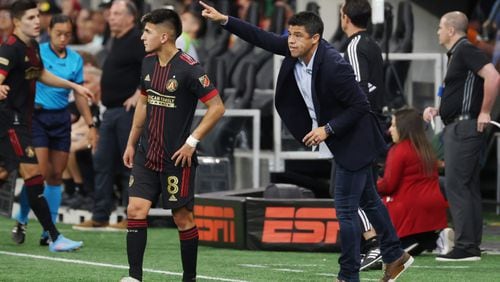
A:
136, 130
7, 62
4, 89
360, 65
52, 80
491, 86
215, 110
83, 107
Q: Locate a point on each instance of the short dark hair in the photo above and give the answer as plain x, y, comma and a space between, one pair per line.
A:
310, 21
164, 16
18, 8
60, 18
359, 11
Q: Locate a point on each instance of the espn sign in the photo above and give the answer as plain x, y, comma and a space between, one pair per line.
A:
215, 224
309, 225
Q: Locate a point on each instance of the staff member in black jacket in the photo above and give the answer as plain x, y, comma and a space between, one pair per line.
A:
319, 100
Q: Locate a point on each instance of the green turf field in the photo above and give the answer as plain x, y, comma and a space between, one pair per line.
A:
103, 258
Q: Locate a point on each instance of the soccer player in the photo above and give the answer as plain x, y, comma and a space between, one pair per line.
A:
20, 68
51, 125
165, 160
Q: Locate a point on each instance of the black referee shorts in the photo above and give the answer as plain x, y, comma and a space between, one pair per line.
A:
176, 185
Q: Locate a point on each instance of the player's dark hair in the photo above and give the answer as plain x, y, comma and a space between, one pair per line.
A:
18, 8
410, 125
310, 21
164, 16
359, 11
60, 18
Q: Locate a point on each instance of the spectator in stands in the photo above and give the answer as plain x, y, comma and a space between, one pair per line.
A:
6, 25
47, 10
365, 55
410, 185
193, 26
79, 175
51, 124
119, 88
471, 87
320, 102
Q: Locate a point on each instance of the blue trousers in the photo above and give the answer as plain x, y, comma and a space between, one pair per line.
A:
355, 189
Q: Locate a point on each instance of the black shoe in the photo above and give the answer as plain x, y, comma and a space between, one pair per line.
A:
19, 233
44, 239
372, 260
458, 255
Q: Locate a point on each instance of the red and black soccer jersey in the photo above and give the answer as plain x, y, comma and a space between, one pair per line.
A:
173, 92
22, 66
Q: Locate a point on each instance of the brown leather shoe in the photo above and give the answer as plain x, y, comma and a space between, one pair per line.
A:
120, 226
394, 269
89, 225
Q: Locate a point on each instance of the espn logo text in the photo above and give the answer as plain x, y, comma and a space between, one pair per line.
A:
300, 225
215, 224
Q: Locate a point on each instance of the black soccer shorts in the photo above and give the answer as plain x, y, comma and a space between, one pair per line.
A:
176, 185
16, 146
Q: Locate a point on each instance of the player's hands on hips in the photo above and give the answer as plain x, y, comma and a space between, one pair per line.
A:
183, 155
85, 92
315, 136
4, 90
482, 120
210, 13
128, 156
429, 113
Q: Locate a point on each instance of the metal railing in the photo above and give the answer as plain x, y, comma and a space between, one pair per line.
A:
255, 115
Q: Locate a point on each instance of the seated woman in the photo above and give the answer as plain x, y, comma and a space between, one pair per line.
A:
410, 185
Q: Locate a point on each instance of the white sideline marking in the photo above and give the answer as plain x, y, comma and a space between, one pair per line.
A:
112, 266
288, 270
440, 266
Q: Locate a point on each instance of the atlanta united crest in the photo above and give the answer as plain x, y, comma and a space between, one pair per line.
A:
172, 85
204, 81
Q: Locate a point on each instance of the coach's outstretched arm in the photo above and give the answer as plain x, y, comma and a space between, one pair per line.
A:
266, 40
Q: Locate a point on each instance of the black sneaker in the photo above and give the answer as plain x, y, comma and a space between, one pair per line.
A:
19, 233
372, 260
44, 239
458, 255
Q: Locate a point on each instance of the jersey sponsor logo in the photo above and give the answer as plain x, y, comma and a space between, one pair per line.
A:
4, 61
158, 99
172, 187
172, 85
300, 225
32, 73
215, 224
204, 81
147, 78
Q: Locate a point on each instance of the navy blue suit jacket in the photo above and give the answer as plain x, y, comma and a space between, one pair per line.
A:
337, 97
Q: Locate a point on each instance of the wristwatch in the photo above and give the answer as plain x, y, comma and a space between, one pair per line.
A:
328, 129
